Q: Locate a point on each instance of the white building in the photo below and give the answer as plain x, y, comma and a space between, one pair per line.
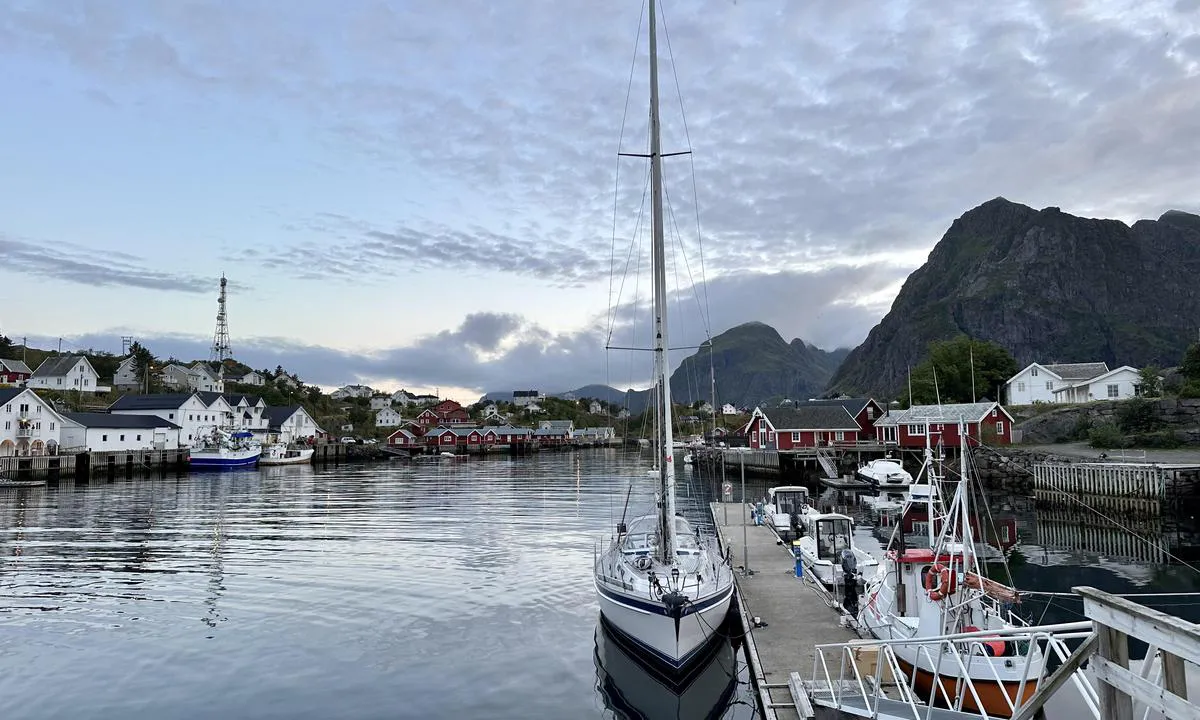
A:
127, 377
66, 372
595, 434
99, 432
1117, 384
249, 412
251, 378
492, 412
352, 391
402, 398
176, 376
1038, 382
202, 378
380, 402
388, 417
187, 410
292, 423
28, 424
595, 408
728, 409
557, 426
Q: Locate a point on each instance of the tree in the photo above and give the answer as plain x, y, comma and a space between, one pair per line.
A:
1189, 367
6, 346
144, 366
950, 362
1149, 385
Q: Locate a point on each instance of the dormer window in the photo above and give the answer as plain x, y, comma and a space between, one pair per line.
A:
1033, 372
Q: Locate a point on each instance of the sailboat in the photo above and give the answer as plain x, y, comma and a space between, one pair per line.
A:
661, 584
923, 593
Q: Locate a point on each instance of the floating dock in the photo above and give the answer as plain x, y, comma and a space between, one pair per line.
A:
798, 613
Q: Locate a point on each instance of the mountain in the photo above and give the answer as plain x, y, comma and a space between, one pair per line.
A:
752, 364
1045, 285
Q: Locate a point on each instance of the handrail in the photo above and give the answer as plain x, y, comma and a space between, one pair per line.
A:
1071, 628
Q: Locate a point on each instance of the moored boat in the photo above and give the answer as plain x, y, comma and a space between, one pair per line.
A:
884, 472
222, 449
283, 454
785, 506
824, 537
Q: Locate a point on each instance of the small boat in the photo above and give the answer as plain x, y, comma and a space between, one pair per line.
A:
282, 454
222, 449
784, 508
884, 472
688, 459
823, 538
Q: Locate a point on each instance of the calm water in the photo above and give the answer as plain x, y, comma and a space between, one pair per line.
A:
457, 590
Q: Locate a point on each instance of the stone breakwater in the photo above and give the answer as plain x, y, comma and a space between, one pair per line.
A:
1180, 416
1011, 468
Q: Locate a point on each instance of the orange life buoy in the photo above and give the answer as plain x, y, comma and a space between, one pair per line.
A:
940, 582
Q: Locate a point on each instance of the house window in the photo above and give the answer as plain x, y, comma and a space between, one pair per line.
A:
1033, 372
1020, 387
870, 412
795, 437
1049, 384
1005, 534
24, 407
122, 438
999, 427
191, 417
170, 416
87, 382
51, 426
8, 408
8, 424
839, 436
139, 437
60, 381
1114, 391
771, 436
104, 438
916, 429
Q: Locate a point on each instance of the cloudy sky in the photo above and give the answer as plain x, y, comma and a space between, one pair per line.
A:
421, 193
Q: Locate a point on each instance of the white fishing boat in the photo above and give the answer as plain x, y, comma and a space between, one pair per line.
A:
284, 454
939, 590
884, 472
823, 537
222, 449
783, 510
662, 584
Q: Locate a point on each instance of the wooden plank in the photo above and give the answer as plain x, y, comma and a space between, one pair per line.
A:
1174, 674
1115, 704
800, 697
1171, 634
1133, 687
1057, 679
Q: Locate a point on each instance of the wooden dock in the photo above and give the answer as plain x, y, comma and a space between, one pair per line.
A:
798, 614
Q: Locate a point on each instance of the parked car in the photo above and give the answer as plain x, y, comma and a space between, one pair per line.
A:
347, 440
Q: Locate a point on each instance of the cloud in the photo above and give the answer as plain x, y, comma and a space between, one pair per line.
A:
72, 263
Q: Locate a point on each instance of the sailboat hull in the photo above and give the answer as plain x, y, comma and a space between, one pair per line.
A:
673, 642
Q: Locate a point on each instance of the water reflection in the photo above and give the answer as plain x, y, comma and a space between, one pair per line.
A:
634, 690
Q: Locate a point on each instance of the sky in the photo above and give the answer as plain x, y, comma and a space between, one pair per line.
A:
427, 194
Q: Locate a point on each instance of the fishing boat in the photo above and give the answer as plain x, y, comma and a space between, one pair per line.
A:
884, 472
284, 454
929, 592
222, 449
783, 510
823, 537
631, 688
662, 585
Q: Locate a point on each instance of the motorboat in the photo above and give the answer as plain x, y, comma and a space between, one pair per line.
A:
929, 592
284, 454
823, 538
222, 449
783, 510
661, 584
884, 472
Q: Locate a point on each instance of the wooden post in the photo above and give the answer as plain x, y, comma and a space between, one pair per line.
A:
1114, 648
1174, 679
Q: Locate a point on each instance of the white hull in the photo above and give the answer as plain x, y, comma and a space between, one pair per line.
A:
300, 457
655, 632
885, 473
828, 572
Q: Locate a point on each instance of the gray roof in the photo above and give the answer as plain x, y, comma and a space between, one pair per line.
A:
951, 413
811, 417
107, 420
852, 405
57, 366
7, 394
558, 424
15, 366
158, 401
1078, 371
234, 398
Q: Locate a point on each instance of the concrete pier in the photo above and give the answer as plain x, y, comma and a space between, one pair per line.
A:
798, 613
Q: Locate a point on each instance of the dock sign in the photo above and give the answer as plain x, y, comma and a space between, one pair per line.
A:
727, 492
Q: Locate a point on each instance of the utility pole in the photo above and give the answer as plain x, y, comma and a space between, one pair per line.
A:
745, 520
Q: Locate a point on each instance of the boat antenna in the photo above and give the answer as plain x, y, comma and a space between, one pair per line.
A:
666, 548
910, 385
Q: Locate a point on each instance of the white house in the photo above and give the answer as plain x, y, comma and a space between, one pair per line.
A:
595, 407
623, 414
107, 431
249, 412
601, 435
352, 391
402, 397
380, 402
566, 426
492, 412
126, 377
251, 378
176, 376
66, 372
728, 409
28, 424
1039, 383
292, 423
202, 378
388, 417
1117, 384
187, 410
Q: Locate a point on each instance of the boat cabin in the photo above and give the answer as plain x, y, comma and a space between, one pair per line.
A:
788, 499
641, 537
832, 532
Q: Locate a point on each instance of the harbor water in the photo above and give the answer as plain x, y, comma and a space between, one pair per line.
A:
444, 589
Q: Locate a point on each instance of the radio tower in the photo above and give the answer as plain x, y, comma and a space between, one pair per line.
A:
220, 347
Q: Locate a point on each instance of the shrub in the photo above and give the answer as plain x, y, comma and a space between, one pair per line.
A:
1190, 389
1106, 436
1162, 439
1137, 415
1082, 429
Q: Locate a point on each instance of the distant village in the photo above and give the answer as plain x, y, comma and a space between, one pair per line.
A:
193, 398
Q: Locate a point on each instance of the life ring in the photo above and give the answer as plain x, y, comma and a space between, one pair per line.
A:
940, 582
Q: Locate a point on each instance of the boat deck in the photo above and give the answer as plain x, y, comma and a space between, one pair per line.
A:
797, 613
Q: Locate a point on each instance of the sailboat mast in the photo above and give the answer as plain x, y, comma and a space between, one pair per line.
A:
661, 362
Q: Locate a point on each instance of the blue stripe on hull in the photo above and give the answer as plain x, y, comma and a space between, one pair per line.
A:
653, 654
222, 463
659, 608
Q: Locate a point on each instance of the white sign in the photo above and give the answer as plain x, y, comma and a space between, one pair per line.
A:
727, 492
